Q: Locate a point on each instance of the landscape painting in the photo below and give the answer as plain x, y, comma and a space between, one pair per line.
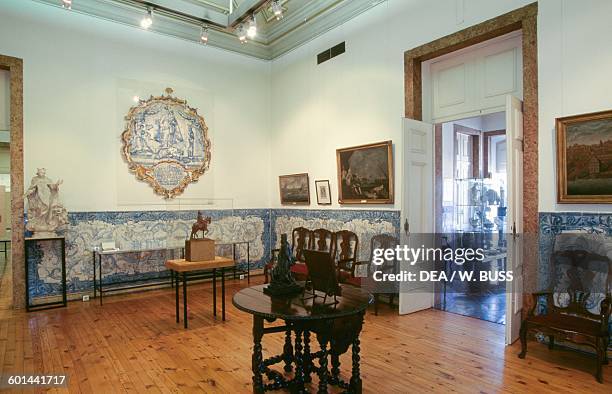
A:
584, 158
294, 189
365, 174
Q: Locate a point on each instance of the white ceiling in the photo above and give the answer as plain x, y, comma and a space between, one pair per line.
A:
302, 19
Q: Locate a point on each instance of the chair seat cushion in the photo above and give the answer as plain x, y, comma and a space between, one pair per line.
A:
354, 281
567, 323
299, 268
344, 276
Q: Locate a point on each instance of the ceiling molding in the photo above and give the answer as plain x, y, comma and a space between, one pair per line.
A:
302, 22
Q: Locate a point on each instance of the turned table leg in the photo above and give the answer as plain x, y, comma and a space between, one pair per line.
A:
288, 351
307, 357
323, 369
257, 358
299, 363
356, 384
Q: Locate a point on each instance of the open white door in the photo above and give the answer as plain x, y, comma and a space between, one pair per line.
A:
417, 207
514, 289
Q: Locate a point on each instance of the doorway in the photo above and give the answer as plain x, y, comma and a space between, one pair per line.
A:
5, 193
471, 212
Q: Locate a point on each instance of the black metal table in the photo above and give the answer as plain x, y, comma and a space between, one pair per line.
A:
46, 305
337, 325
6, 243
164, 276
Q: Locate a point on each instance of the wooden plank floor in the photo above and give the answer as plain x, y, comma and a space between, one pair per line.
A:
132, 344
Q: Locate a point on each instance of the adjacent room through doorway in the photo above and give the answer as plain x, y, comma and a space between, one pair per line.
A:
473, 212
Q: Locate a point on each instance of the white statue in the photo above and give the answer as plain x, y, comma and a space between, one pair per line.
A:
46, 214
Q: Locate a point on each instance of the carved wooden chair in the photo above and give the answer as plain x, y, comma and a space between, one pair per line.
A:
301, 239
380, 241
346, 244
323, 240
578, 300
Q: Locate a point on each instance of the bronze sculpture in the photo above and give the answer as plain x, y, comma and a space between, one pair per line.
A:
282, 282
201, 224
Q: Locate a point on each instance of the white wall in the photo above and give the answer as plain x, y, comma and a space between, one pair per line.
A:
77, 70
575, 59
357, 97
290, 121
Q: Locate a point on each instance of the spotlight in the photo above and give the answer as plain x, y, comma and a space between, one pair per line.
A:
252, 30
277, 10
147, 20
67, 4
204, 35
241, 32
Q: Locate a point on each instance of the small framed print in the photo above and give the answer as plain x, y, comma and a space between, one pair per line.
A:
323, 192
294, 189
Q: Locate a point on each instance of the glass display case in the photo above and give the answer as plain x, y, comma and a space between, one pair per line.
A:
480, 205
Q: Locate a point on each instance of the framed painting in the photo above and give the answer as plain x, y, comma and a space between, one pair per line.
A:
323, 192
365, 174
584, 158
165, 144
294, 189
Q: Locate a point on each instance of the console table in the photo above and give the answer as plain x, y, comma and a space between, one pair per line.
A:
337, 325
6, 243
177, 251
183, 267
98, 284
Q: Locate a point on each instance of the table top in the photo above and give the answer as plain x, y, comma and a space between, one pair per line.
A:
169, 247
182, 265
254, 301
126, 251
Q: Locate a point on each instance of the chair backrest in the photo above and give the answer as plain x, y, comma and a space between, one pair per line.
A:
323, 241
301, 239
383, 241
580, 273
346, 245
322, 272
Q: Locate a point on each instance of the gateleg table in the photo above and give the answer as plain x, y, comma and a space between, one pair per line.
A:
182, 267
337, 327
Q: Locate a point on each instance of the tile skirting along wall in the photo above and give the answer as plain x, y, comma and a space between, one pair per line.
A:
154, 229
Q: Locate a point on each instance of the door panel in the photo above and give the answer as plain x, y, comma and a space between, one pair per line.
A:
417, 208
514, 289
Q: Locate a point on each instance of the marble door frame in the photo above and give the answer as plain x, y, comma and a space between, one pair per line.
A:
525, 20
15, 68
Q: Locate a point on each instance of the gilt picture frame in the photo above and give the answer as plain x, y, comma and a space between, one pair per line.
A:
365, 174
584, 158
323, 192
294, 189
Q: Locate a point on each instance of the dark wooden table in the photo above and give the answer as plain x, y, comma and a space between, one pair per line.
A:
183, 267
335, 325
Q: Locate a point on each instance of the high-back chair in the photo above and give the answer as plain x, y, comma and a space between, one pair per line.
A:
346, 244
301, 239
578, 302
